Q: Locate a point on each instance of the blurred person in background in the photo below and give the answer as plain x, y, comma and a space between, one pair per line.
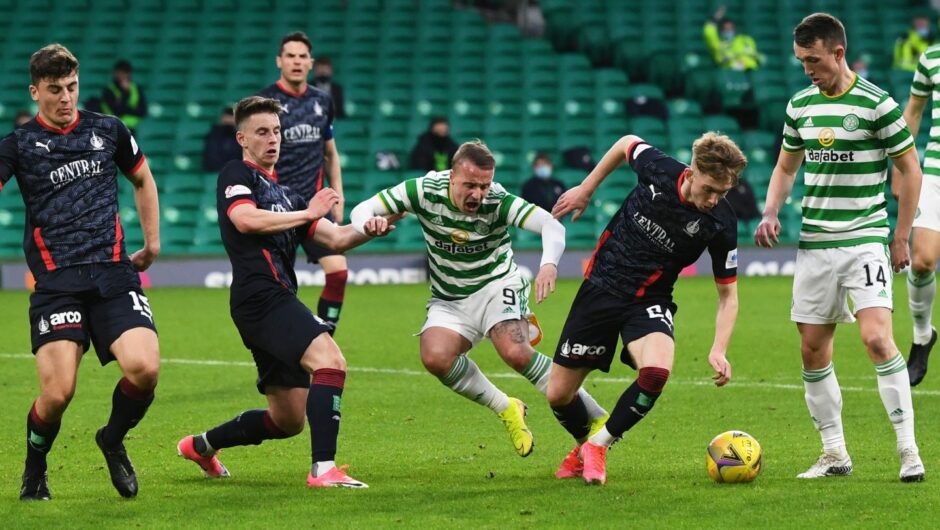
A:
435, 149
123, 97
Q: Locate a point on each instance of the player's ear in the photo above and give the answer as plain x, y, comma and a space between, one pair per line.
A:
240, 138
34, 92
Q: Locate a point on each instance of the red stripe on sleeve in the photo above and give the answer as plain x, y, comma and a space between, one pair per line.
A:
43, 251
726, 281
118, 236
137, 165
630, 149
312, 229
238, 202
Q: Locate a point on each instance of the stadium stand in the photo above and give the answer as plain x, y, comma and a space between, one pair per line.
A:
402, 61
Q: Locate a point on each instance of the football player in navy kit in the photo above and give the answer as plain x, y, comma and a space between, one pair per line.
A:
87, 289
308, 152
262, 223
673, 215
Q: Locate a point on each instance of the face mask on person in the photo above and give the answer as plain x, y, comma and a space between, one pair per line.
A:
322, 79
923, 32
543, 172
727, 35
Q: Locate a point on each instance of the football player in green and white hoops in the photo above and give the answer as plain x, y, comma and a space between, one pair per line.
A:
476, 289
845, 128
921, 278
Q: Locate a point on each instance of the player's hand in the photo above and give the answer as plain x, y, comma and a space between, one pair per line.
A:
378, 227
576, 199
395, 217
322, 202
768, 232
900, 254
143, 258
545, 282
337, 211
722, 368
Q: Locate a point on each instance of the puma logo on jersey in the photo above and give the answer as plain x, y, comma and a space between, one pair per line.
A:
47, 146
654, 192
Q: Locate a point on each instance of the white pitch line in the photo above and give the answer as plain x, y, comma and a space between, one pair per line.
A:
510, 375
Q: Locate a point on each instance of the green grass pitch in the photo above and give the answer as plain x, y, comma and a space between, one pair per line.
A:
433, 459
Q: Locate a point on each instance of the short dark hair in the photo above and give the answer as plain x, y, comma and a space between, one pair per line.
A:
542, 155
296, 36
437, 119
325, 61
52, 62
252, 105
477, 153
820, 26
123, 66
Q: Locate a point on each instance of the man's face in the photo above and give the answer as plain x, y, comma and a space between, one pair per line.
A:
323, 70
705, 191
260, 138
122, 78
821, 64
441, 129
57, 99
469, 184
295, 62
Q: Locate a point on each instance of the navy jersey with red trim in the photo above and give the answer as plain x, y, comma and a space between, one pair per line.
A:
306, 126
68, 179
656, 233
262, 264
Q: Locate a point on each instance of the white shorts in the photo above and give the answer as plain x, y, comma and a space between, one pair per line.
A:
928, 207
826, 278
473, 317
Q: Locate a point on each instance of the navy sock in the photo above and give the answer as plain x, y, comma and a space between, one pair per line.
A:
129, 403
323, 412
39, 437
248, 428
637, 400
574, 418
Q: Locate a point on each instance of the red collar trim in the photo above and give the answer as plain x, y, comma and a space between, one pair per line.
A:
287, 90
56, 129
272, 175
679, 185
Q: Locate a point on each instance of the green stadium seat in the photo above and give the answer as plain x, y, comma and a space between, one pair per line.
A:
722, 123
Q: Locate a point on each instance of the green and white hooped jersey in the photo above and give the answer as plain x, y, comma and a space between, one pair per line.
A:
466, 251
847, 139
926, 80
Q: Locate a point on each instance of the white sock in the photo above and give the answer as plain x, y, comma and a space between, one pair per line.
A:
895, 389
824, 401
602, 437
537, 373
322, 467
921, 291
466, 379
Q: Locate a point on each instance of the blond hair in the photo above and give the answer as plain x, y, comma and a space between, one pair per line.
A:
718, 156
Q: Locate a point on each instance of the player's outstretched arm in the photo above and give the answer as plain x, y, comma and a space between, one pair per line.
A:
148, 209
725, 319
343, 238
577, 198
248, 219
781, 184
909, 177
335, 175
553, 245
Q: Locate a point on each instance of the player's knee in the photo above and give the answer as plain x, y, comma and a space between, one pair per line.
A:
518, 356
923, 265
879, 344
559, 395
58, 397
288, 423
436, 361
323, 353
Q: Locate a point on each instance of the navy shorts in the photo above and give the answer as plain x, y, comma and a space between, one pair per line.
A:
91, 304
596, 320
314, 251
278, 339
